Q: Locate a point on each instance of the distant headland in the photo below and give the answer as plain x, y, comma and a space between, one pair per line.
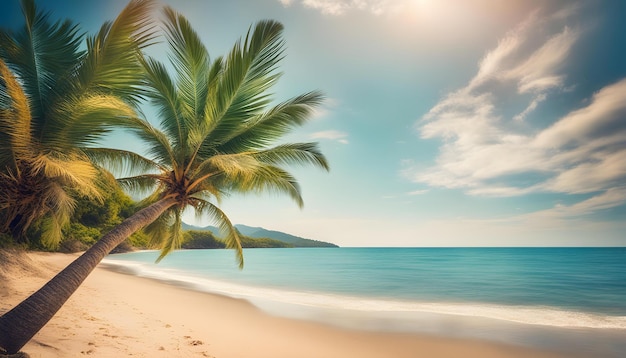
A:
207, 237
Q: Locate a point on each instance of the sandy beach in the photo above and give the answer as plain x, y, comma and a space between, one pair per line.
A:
118, 315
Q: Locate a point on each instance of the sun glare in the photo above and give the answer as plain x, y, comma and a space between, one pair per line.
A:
421, 15
441, 21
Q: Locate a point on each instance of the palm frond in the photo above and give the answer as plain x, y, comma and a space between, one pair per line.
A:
246, 77
227, 229
268, 178
160, 148
111, 64
190, 61
15, 119
243, 172
294, 154
140, 184
122, 162
70, 170
43, 55
84, 120
231, 165
175, 237
61, 207
164, 96
206, 193
158, 230
272, 125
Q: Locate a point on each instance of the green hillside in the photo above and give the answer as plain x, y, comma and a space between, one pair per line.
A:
296, 241
261, 233
195, 239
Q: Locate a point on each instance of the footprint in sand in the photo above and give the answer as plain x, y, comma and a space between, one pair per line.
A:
194, 342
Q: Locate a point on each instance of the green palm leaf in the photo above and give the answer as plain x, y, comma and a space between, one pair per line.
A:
160, 147
164, 96
122, 162
15, 119
190, 61
159, 230
268, 178
294, 154
231, 237
140, 184
111, 64
272, 125
247, 75
73, 171
43, 55
82, 121
174, 237
61, 206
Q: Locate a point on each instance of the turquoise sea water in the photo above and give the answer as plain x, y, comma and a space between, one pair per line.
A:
568, 299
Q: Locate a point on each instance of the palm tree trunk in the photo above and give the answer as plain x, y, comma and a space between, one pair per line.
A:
21, 323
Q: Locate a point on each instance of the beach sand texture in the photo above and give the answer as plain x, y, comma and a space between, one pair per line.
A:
117, 315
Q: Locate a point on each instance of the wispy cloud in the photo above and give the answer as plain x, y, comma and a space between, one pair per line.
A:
487, 150
339, 7
608, 199
326, 108
417, 192
335, 135
560, 218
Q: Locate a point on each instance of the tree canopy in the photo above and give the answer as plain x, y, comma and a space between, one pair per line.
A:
219, 130
57, 100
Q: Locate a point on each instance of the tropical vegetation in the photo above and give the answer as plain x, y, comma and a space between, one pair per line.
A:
218, 133
206, 240
56, 101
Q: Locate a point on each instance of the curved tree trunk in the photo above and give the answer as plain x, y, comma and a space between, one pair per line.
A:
21, 323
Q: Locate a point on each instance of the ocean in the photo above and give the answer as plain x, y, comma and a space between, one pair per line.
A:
564, 299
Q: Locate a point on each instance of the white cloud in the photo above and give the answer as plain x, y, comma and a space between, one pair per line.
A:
329, 7
531, 107
495, 60
606, 111
335, 135
608, 199
593, 173
539, 72
563, 218
417, 192
487, 151
340, 7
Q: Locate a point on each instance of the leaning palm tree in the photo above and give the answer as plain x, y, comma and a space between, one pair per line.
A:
218, 134
217, 130
57, 100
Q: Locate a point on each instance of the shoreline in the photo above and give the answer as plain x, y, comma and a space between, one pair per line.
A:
542, 328
115, 314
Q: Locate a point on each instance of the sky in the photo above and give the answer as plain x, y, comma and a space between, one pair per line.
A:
446, 122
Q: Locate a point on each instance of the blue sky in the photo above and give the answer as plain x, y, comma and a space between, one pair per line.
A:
447, 122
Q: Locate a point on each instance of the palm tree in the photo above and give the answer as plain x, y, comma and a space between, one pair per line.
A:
56, 101
217, 129
219, 135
